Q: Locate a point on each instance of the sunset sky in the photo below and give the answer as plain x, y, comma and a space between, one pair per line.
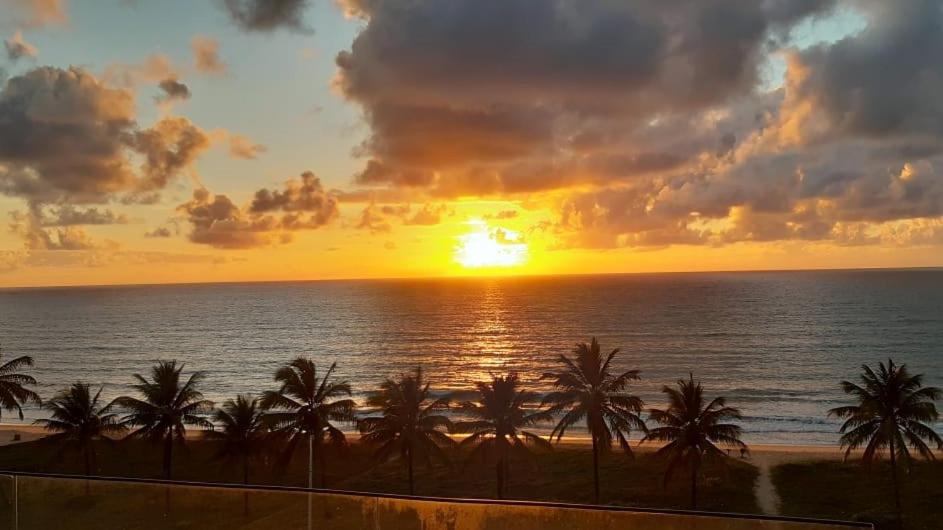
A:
234, 140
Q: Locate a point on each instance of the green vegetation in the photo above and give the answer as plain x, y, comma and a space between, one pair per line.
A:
557, 475
892, 414
410, 425
850, 491
691, 428
304, 409
585, 388
13, 385
167, 406
496, 434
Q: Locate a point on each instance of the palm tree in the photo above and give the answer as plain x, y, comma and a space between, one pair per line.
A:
13, 391
410, 424
166, 409
81, 420
500, 415
893, 412
691, 430
242, 430
242, 434
585, 388
305, 405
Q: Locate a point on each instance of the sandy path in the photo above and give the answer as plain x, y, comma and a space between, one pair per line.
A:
766, 457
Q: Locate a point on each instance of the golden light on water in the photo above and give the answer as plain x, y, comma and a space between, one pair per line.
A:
486, 246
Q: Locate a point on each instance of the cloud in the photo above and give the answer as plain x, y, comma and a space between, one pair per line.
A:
206, 56
502, 215
159, 232
156, 68
269, 219
884, 82
648, 123
173, 91
29, 227
267, 15
466, 115
426, 216
35, 13
68, 141
242, 147
68, 215
18, 48
374, 221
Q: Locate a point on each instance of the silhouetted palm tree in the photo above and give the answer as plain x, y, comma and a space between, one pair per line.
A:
691, 429
305, 405
13, 391
410, 424
587, 390
167, 407
242, 431
893, 412
500, 415
80, 420
242, 434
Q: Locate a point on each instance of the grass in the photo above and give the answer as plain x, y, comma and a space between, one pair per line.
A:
564, 475
849, 491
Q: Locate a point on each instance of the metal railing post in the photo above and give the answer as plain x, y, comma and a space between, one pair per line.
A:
16, 504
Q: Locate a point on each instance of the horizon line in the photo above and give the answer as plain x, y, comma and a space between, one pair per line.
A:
471, 277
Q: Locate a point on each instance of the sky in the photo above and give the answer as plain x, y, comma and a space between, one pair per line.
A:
252, 140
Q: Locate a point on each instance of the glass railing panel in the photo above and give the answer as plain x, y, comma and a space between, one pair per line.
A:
34, 503
49, 503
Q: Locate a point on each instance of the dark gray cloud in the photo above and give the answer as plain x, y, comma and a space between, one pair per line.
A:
159, 232
648, 124
68, 215
65, 137
269, 219
173, 90
267, 15
884, 82
465, 105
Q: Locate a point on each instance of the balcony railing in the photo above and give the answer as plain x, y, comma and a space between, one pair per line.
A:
30, 501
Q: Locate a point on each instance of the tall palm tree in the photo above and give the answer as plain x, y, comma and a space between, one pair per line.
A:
586, 389
692, 429
306, 405
892, 414
80, 420
242, 434
410, 424
242, 430
167, 407
500, 415
13, 391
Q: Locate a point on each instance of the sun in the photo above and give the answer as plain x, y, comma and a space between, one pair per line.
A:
490, 247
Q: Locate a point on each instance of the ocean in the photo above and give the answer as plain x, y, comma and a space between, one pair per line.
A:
776, 344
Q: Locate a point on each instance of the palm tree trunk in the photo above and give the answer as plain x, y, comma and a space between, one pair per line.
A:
88, 469
897, 504
168, 460
168, 455
694, 468
323, 463
499, 467
409, 458
595, 470
245, 481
